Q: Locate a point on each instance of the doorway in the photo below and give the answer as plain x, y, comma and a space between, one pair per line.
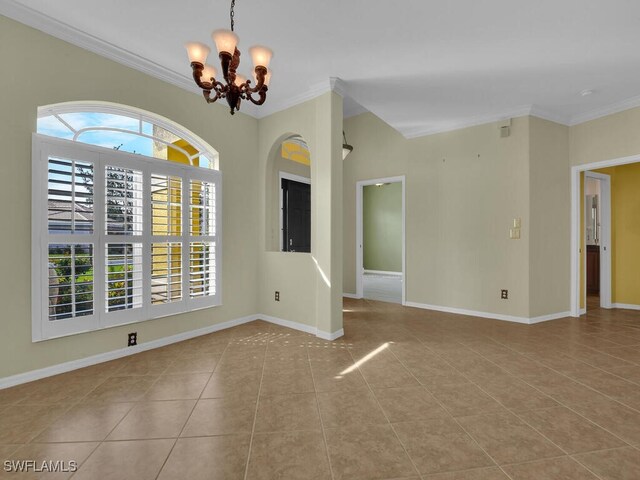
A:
596, 228
380, 239
295, 218
578, 234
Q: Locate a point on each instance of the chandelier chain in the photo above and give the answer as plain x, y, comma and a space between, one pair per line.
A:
232, 13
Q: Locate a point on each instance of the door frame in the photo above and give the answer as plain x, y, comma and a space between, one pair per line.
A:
576, 225
295, 178
605, 238
359, 232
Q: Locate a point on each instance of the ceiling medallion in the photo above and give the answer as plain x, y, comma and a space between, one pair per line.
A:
235, 87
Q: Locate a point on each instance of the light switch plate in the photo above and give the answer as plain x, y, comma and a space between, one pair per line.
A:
514, 234
517, 222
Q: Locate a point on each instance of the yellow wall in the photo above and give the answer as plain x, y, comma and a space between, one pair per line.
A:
625, 194
625, 233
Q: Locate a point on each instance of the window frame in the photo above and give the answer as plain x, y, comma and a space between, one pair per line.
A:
44, 147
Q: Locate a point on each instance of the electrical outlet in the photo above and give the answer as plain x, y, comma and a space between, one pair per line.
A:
133, 339
277, 296
504, 294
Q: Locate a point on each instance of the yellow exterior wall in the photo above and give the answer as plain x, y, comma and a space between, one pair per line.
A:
296, 152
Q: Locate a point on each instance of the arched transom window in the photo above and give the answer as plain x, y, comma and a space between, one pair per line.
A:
126, 219
125, 129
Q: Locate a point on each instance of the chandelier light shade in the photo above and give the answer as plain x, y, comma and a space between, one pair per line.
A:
346, 148
231, 86
226, 41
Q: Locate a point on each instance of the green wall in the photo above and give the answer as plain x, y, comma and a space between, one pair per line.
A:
382, 227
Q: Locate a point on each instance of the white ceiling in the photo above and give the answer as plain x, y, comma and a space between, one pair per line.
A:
420, 65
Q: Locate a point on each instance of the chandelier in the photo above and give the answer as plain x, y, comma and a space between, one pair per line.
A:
235, 87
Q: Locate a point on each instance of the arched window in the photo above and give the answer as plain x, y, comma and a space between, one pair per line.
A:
126, 213
125, 129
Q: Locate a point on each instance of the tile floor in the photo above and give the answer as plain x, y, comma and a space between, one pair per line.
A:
406, 394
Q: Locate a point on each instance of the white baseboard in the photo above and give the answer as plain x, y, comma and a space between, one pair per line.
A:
115, 354
161, 342
489, 315
303, 327
583, 311
351, 295
289, 324
626, 306
473, 313
330, 336
383, 272
546, 318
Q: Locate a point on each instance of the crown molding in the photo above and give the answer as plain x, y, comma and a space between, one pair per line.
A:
338, 85
28, 16
409, 133
331, 84
526, 110
536, 111
56, 28
617, 107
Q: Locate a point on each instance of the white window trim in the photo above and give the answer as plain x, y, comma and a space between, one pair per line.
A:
135, 113
42, 147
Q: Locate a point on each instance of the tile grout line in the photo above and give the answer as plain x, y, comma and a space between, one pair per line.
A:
566, 454
192, 410
385, 415
596, 367
450, 415
255, 414
72, 405
322, 428
561, 403
555, 371
101, 442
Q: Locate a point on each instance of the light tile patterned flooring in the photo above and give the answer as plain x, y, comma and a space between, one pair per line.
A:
406, 394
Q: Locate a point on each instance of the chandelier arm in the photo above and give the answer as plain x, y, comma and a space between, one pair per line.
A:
197, 69
207, 96
261, 73
220, 88
262, 96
